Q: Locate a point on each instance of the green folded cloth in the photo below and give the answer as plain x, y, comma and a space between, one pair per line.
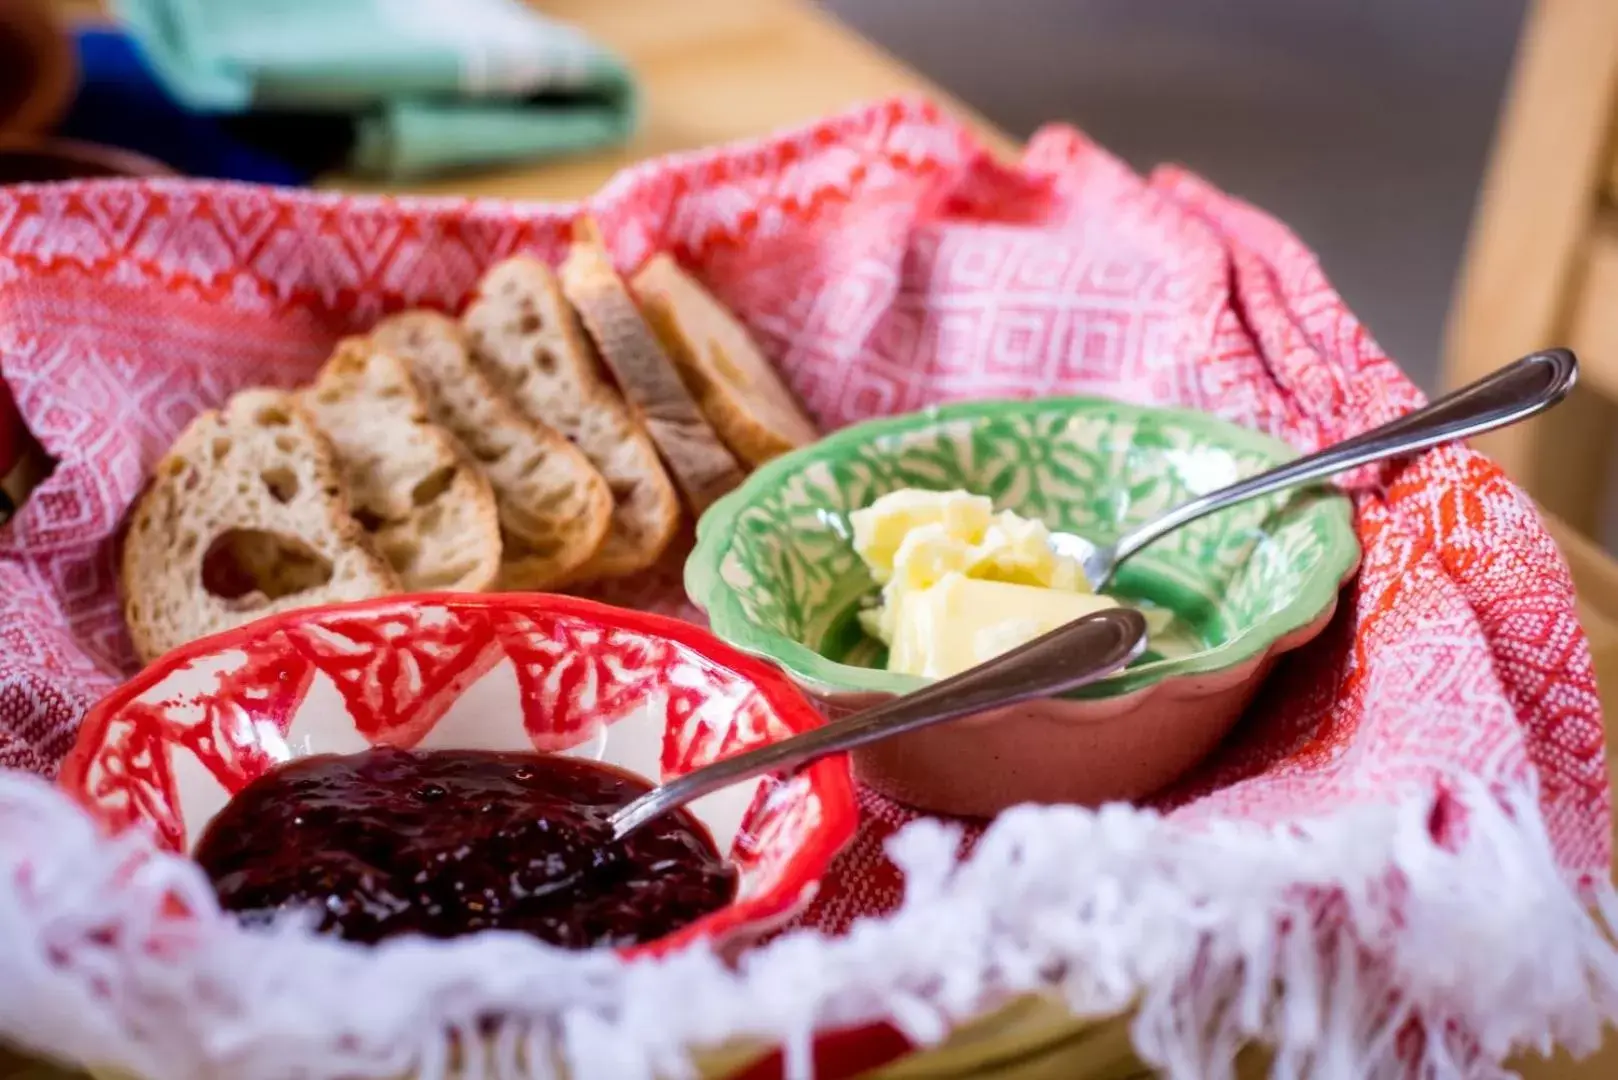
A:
430, 85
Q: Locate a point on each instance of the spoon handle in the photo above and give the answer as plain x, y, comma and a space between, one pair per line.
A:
1515, 392
1067, 658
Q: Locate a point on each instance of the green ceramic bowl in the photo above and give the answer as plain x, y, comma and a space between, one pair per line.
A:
775, 572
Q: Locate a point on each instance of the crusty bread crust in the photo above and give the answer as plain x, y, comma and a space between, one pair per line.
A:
739, 390
414, 488
528, 340
246, 516
555, 508
704, 469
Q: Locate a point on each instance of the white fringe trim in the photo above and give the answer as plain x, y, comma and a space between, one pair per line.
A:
1489, 947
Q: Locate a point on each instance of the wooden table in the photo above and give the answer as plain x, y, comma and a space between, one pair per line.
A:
718, 70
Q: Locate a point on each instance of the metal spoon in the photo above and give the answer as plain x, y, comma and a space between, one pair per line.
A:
1067, 658
1515, 392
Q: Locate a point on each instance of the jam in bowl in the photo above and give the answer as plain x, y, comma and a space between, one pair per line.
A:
447, 842
322, 761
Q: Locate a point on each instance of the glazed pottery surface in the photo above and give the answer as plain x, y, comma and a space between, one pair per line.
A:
778, 577
648, 694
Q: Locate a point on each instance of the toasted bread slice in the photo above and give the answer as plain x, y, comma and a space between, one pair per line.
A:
529, 340
245, 516
739, 390
554, 507
413, 487
701, 465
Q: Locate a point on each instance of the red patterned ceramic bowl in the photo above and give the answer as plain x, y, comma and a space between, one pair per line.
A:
642, 692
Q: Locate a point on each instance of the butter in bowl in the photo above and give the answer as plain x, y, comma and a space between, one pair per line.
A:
962, 584
898, 550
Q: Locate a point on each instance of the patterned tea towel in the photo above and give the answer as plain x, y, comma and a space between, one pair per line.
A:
1382, 873
422, 86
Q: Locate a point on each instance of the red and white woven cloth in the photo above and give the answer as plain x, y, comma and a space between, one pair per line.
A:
1397, 830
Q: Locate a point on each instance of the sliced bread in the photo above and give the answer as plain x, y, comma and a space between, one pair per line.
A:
701, 465
413, 487
245, 516
738, 389
554, 507
527, 338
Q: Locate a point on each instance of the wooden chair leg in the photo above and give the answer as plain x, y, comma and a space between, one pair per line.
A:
1528, 242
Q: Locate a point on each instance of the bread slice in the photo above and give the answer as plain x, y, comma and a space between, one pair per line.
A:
245, 516
738, 389
527, 338
554, 507
414, 488
701, 465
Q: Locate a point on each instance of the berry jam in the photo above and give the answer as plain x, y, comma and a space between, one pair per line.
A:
448, 842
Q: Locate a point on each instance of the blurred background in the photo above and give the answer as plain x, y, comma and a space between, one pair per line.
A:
1365, 125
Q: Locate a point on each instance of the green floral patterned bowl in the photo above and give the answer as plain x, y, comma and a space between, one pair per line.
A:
774, 569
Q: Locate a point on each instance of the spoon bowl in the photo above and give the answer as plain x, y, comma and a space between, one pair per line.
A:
775, 571
642, 694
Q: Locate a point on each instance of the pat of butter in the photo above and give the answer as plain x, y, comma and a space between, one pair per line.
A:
930, 550
961, 622
881, 528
